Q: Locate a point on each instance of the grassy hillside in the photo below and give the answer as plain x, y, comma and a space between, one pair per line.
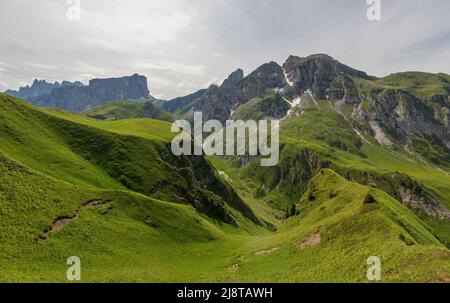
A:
340, 225
422, 85
322, 138
127, 237
127, 110
111, 193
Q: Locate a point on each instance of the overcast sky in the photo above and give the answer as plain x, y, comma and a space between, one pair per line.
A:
185, 45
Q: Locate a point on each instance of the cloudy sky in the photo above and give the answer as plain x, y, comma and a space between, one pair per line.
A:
185, 45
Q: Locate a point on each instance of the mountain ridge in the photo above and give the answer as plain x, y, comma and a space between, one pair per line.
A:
78, 97
408, 110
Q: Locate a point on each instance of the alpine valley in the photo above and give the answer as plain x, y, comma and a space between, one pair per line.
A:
364, 171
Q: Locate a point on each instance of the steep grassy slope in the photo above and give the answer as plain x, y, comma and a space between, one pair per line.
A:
125, 237
341, 224
88, 155
322, 138
422, 85
74, 189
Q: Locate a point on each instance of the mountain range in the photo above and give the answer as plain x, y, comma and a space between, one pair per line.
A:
409, 111
364, 171
77, 97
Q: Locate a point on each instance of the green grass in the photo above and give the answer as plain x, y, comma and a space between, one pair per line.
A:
422, 85
321, 138
351, 231
167, 219
120, 110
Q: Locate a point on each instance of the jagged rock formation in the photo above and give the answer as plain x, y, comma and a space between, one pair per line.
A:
39, 88
77, 97
218, 102
323, 75
182, 104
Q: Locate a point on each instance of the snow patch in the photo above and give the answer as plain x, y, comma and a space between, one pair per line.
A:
286, 77
294, 103
233, 110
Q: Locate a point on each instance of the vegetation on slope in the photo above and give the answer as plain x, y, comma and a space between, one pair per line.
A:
127, 110
84, 154
112, 194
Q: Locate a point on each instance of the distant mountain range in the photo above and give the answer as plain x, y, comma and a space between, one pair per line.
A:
77, 97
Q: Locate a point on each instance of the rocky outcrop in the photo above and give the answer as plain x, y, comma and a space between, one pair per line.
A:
218, 102
39, 88
320, 74
77, 97
431, 207
404, 117
183, 104
132, 88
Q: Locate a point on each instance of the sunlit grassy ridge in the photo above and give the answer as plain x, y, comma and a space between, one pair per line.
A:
99, 175
322, 138
422, 85
338, 228
128, 109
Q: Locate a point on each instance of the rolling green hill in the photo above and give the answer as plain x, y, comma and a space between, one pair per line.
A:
321, 138
111, 193
127, 110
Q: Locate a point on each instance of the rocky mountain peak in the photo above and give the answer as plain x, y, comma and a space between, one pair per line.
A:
133, 87
233, 78
320, 73
267, 76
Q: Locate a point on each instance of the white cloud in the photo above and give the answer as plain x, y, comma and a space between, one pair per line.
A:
181, 45
175, 67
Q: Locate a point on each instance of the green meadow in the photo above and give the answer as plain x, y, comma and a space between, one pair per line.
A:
109, 192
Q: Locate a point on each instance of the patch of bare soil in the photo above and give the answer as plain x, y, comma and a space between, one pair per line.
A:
311, 241
96, 203
234, 268
60, 222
